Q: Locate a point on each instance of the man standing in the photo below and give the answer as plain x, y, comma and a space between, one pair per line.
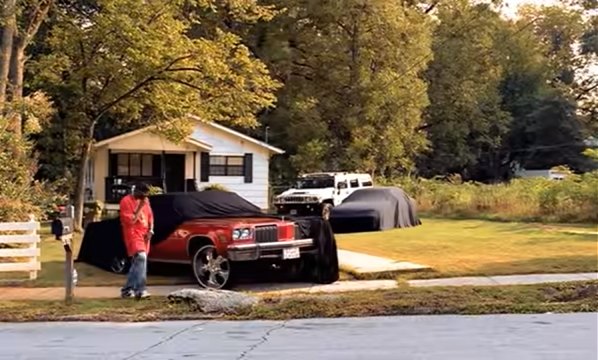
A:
137, 222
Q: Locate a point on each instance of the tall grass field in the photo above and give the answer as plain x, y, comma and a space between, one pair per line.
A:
572, 200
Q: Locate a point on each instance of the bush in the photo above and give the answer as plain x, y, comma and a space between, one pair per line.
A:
574, 199
214, 187
20, 195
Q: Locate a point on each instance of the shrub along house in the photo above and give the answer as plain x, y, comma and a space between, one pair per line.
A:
212, 154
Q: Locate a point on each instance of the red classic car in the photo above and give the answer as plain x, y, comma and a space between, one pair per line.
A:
210, 230
212, 244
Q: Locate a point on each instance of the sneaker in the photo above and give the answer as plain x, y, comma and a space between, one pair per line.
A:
143, 295
127, 294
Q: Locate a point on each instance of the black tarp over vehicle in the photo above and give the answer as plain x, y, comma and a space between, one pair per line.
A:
374, 209
103, 243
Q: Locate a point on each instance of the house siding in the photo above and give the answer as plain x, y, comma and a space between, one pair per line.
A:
224, 143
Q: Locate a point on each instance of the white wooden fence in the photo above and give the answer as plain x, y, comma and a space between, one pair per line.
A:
25, 239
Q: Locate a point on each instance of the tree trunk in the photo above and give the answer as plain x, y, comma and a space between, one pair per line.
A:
17, 69
8, 31
17, 73
80, 188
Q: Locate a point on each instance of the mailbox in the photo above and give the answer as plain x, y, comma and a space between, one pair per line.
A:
62, 227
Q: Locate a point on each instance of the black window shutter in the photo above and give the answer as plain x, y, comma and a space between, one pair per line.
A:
248, 164
112, 164
204, 167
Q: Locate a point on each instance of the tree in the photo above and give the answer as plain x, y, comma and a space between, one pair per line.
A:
22, 21
20, 196
126, 61
548, 92
465, 121
353, 96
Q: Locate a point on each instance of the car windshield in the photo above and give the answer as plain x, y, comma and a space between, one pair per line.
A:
315, 183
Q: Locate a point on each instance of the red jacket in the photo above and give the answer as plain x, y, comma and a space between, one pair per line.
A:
136, 228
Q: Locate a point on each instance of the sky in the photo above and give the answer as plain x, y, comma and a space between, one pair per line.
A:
511, 9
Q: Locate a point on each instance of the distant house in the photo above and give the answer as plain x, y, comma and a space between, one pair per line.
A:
212, 154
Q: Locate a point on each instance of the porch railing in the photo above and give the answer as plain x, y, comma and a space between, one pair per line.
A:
119, 187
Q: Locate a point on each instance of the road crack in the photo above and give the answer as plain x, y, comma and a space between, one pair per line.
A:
262, 340
163, 341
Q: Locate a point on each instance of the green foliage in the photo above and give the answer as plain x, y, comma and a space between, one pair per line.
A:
574, 199
122, 62
591, 153
350, 70
465, 119
218, 187
20, 195
155, 190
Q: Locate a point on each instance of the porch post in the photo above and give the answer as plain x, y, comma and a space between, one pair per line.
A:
110, 163
194, 165
163, 170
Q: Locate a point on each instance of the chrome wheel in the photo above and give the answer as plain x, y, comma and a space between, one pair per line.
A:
119, 265
211, 270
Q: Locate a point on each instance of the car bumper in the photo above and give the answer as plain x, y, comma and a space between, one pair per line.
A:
270, 250
298, 208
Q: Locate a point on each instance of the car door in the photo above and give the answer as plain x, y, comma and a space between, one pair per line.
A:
342, 191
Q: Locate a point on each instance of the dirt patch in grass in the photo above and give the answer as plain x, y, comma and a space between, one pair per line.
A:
560, 297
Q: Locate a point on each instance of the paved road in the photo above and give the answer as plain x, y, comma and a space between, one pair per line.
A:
520, 337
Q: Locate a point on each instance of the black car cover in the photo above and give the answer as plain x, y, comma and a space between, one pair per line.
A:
103, 242
373, 209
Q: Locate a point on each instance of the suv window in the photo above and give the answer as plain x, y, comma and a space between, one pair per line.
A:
315, 183
342, 185
367, 183
354, 183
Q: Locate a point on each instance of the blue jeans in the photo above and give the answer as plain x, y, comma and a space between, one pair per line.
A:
137, 274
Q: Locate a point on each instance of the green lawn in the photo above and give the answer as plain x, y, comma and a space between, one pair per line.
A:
477, 247
52, 273
450, 247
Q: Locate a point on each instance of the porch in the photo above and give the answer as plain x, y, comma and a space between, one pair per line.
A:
167, 171
119, 163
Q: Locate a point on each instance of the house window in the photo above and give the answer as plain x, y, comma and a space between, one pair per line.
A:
227, 165
134, 165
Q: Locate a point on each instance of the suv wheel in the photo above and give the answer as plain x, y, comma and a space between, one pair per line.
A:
212, 271
326, 209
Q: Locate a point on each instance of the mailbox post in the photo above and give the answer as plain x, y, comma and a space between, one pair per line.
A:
62, 228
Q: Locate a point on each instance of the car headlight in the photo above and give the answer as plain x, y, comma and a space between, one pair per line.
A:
241, 234
236, 234
245, 233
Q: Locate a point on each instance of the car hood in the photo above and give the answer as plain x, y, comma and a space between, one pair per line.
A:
353, 208
236, 221
323, 193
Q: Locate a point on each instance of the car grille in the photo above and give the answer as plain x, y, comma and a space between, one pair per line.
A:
267, 233
295, 199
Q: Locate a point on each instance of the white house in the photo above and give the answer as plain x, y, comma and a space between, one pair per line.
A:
212, 154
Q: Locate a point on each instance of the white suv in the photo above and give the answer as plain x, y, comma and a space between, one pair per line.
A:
317, 193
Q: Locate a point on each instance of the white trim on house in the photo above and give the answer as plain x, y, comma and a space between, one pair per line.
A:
273, 149
192, 141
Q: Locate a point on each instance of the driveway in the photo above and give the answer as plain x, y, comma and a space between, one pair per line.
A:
521, 337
